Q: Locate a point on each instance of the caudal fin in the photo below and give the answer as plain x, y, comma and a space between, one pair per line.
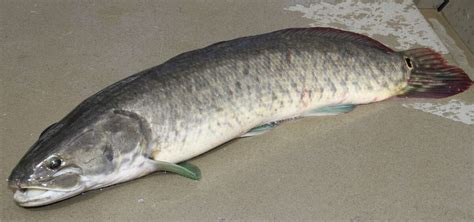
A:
432, 77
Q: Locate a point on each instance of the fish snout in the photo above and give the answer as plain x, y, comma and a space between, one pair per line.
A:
18, 181
14, 184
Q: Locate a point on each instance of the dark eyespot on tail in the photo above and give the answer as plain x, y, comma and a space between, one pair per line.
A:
431, 76
409, 63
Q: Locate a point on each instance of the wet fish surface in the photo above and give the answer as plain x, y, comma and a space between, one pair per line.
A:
158, 118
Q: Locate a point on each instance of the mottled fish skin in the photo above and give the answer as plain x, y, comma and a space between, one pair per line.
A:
200, 99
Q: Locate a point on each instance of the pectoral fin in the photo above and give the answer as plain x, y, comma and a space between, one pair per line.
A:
330, 110
184, 169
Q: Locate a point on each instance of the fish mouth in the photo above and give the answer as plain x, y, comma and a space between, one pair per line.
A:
35, 197
62, 185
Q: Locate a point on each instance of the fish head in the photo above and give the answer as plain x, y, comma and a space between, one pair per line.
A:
67, 160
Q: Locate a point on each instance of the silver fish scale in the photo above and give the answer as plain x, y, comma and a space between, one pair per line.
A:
203, 98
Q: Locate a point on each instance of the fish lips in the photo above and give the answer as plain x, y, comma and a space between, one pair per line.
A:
62, 185
35, 197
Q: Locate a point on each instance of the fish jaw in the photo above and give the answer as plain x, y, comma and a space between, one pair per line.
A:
35, 197
32, 192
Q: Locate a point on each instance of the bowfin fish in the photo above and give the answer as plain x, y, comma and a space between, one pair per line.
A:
160, 117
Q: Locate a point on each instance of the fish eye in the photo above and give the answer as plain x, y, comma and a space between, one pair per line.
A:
409, 63
54, 162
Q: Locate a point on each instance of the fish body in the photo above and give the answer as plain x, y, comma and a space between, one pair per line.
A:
200, 99
204, 98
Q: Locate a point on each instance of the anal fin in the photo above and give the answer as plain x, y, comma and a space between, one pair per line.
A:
330, 110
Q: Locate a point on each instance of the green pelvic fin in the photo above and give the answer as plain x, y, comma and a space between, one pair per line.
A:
330, 110
184, 169
259, 130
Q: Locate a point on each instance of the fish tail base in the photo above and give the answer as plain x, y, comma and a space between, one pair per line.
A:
431, 76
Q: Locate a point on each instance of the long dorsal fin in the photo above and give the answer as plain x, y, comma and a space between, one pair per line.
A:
252, 41
336, 34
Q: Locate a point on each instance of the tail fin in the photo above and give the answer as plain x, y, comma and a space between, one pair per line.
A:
432, 77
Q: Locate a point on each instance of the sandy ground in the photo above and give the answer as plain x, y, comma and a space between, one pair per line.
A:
381, 161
